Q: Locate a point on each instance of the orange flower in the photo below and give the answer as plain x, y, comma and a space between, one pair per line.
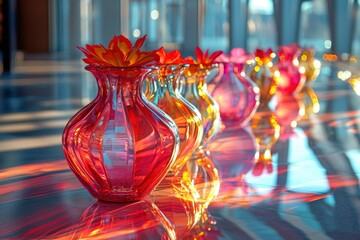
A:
172, 57
120, 53
204, 58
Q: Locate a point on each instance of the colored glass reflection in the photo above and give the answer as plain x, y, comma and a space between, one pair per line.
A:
288, 111
263, 74
202, 172
235, 151
266, 130
139, 220
182, 212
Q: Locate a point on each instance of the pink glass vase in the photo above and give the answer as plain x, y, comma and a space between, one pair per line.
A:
291, 77
237, 95
120, 146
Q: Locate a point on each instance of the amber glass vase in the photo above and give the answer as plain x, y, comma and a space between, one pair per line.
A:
163, 91
120, 146
264, 75
200, 169
195, 91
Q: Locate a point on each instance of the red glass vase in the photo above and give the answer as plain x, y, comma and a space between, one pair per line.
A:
291, 77
120, 146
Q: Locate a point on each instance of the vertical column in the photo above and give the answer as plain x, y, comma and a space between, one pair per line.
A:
124, 17
342, 16
106, 20
287, 18
191, 26
66, 32
239, 13
9, 34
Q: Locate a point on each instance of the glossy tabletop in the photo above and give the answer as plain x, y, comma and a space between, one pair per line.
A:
308, 190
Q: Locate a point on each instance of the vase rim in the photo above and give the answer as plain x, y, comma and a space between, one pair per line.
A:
204, 66
154, 66
160, 65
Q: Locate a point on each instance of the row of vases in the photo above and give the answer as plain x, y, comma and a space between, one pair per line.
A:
144, 123
139, 128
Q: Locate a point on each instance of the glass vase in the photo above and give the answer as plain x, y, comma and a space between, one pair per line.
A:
164, 93
237, 95
120, 146
311, 65
263, 74
195, 91
200, 169
291, 77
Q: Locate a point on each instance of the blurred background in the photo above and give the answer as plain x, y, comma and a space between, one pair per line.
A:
53, 28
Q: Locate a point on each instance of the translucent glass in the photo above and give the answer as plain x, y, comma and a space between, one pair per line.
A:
288, 111
291, 77
182, 212
228, 143
164, 93
140, 220
237, 95
266, 130
310, 64
195, 91
120, 146
264, 75
202, 172
310, 100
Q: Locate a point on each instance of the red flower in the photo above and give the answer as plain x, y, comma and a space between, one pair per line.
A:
120, 53
264, 56
172, 57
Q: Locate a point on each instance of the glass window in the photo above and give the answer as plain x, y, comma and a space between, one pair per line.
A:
261, 25
356, 37
314, 25
161, 20
214, 24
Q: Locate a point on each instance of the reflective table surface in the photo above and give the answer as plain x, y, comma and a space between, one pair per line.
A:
309, 189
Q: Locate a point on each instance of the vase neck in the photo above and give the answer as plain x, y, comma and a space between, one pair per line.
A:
228, 67
114, 82
168, 77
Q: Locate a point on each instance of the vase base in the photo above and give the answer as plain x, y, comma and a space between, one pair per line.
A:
118, 197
